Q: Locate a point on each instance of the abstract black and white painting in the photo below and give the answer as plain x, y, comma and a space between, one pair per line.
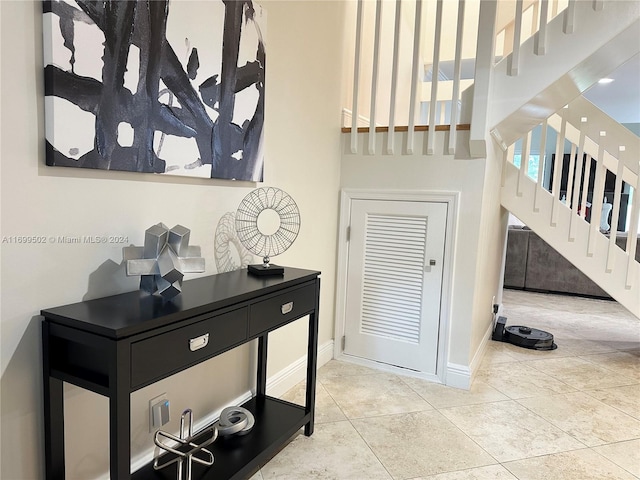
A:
163, 86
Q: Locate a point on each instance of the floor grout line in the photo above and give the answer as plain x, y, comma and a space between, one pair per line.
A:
521, 308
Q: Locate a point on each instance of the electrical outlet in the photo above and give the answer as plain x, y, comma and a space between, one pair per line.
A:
158, 412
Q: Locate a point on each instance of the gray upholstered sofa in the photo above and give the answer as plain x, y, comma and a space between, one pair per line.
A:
532, 264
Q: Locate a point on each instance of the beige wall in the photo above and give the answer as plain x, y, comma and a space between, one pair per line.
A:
491, 245
304, 47
439, 172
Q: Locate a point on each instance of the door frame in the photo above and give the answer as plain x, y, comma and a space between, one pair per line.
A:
347, 195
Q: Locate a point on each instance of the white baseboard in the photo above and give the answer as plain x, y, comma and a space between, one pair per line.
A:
461, 376
277, 385
458, 376
289, 377
482, 348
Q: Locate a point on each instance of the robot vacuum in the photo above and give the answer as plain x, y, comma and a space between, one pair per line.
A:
522, 336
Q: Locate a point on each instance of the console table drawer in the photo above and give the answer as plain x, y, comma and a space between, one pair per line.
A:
170, 352
281, 309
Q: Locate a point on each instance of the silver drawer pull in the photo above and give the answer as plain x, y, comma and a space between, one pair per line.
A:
286, 308
198, 342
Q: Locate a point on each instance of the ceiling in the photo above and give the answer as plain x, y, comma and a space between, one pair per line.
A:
619, 99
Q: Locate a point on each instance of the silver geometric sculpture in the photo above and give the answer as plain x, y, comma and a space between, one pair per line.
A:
182, 450
164, 259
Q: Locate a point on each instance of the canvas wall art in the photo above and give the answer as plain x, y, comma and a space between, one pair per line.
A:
172, 87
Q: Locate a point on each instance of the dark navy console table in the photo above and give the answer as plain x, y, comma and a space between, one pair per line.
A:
116, 345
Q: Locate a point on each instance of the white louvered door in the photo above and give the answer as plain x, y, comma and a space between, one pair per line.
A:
394, 282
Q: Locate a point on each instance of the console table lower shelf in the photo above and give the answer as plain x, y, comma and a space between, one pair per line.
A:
237, 457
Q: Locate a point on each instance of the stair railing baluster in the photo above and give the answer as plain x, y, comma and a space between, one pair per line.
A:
541, 167
514, 60
431, 134
585, 186
415, 72
598, 197
569, 23
356, 80
577, 200
557, 168
507, 157
524, 162
540, 42
394, 78
374, 79
633, 230
615, 215
456, 79
570, 177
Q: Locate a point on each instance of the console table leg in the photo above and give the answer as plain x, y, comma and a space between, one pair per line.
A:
261, 384
312, 364
53, 428
53, 415
120, 437
120, 413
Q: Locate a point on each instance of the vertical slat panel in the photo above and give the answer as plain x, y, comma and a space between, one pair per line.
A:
507, 158
576, 201
456, 79
541, 167
633, 228
554, 8
434, 79
540, 42
356, 80
557, 169
585, 186
374, 79
570, 179
414, 76
598, 5
569, 24
524, 162
615, 215
514, 60
394, 79
598, 197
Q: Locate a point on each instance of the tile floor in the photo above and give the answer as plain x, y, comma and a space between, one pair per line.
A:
572, 413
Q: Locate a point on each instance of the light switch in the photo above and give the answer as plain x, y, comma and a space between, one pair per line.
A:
158, 412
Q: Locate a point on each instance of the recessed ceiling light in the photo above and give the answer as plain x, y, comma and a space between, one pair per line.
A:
604, 81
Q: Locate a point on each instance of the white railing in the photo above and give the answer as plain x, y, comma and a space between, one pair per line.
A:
407, 68
582, 157
519, 20
412, 59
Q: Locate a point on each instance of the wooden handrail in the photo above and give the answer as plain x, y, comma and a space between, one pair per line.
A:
417, 128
